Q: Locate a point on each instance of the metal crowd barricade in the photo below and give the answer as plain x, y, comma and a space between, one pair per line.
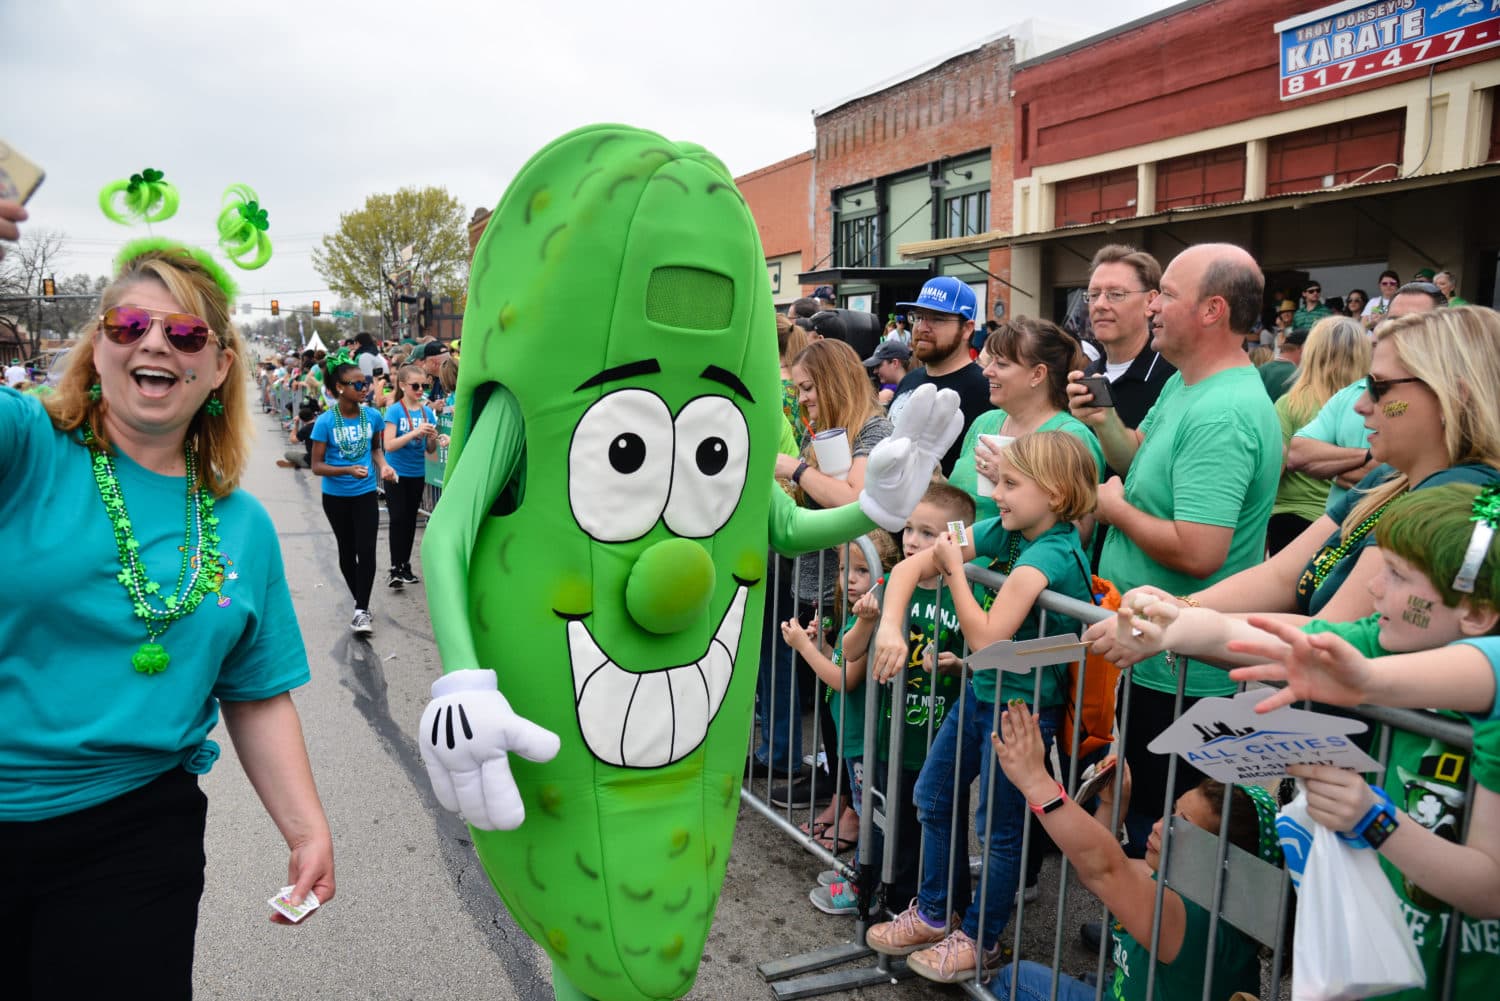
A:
1228, 882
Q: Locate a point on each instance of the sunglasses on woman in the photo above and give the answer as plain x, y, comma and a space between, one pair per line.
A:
127, 324
1379, 387
358, 385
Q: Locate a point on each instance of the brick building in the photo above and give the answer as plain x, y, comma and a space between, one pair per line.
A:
927, 155
781, 198
1183, 127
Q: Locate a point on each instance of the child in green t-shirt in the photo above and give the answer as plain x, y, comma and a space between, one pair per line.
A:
1440, 584
842, 670
1045, 481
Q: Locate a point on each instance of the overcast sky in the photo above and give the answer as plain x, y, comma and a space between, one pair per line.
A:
317, 104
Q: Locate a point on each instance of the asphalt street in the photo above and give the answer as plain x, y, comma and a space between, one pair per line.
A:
415, 916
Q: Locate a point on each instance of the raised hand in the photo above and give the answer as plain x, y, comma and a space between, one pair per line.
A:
1319, 666
900, 467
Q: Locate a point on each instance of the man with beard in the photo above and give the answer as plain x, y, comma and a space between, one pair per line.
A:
942, 320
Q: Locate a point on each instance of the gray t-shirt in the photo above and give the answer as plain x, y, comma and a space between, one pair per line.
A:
876, 429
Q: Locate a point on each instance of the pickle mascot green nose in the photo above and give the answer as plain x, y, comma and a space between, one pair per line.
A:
595, 570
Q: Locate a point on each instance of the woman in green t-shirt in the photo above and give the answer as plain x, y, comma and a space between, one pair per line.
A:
1027, 362
1128, 886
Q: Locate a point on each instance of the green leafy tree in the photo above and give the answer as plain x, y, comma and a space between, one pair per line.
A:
358, 258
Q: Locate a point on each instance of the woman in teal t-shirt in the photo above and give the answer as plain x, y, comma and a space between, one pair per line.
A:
1027, 362
154, 598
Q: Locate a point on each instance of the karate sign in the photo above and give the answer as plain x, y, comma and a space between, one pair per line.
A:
1227, 740
1348, 43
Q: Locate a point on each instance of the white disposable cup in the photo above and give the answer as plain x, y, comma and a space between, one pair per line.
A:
832, 449
986, 486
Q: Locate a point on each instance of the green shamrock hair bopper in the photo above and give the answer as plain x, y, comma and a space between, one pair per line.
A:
145, 197
242, 228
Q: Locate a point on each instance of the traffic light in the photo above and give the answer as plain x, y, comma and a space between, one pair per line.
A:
316, 307
275, 308
49, 288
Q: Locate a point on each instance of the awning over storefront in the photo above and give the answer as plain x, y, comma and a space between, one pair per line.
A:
932, 249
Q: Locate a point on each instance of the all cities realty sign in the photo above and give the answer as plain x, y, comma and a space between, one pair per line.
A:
1349, 43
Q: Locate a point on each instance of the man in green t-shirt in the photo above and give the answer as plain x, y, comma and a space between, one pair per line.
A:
1201, 477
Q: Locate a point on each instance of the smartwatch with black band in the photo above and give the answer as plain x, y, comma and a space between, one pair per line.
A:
797, 476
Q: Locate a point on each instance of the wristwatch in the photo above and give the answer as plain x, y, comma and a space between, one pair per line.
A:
797, 475
1378, 823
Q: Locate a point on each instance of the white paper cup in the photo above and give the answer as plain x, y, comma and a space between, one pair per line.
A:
986, 486
832, 449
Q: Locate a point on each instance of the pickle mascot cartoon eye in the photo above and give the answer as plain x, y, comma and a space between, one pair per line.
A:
599, 553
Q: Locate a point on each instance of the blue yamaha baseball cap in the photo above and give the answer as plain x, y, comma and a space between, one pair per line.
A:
946, 295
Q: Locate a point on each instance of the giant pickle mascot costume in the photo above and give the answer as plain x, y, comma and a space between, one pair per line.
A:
599, 554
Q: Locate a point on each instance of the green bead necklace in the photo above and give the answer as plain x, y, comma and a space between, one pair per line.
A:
362, 446
201, 563
1324, 564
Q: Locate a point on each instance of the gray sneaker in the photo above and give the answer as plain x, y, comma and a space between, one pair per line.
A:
361, 625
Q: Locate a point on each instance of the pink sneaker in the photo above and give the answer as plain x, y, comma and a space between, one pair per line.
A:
906, 933
952, 960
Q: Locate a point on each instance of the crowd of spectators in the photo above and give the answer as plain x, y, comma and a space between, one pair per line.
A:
1218, 487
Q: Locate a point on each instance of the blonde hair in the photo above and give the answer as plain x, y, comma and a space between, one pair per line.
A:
1260, 354
791, 340
846, 398
1337, 352
448, 374
1456, 353
1062, 466
222, 443
885, 548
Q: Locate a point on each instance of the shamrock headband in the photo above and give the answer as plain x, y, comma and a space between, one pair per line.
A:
171, 248
1265, 818
148, 197
1486, 518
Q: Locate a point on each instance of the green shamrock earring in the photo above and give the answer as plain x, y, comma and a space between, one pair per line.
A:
96, 393
214, 407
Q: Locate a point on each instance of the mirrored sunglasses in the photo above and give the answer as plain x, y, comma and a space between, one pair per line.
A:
127, 324
358, 386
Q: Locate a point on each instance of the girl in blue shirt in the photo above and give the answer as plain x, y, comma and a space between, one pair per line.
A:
346, 442
411, 435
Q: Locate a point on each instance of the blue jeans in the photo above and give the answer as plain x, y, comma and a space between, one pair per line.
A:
777, 708
969, 755
1035, 984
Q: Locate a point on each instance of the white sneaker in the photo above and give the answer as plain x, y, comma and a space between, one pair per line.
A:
361, 625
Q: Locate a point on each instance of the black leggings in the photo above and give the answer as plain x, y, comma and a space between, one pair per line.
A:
356, 524
121, 879
402, 499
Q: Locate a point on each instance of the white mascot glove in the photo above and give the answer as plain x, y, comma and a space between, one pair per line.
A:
465, 733
900, 468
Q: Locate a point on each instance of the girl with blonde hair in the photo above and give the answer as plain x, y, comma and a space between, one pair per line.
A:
1336, 353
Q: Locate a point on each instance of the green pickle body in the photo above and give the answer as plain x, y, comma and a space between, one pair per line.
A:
618, 256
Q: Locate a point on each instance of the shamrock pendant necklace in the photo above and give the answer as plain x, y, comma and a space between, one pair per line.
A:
200, 562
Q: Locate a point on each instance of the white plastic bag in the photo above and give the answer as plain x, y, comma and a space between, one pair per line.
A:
1351, 940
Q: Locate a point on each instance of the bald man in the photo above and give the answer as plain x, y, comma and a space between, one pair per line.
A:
1200, 477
